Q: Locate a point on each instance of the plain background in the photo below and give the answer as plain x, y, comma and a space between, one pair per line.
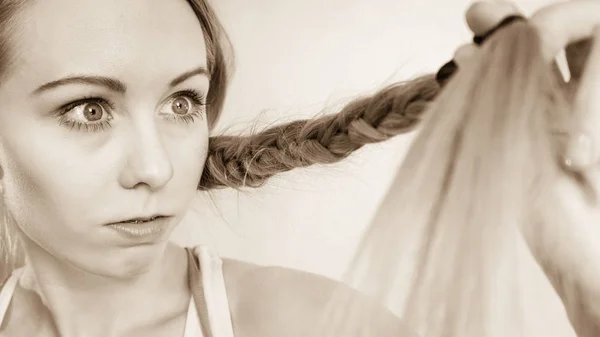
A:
295, 58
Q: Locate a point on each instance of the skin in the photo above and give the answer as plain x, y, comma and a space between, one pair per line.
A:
64, 183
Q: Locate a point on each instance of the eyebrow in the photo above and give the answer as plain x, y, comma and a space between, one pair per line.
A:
114, 84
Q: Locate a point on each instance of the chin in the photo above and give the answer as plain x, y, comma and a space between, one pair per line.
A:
129, 262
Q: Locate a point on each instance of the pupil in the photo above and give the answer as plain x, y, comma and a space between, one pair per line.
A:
181, 106
92, 112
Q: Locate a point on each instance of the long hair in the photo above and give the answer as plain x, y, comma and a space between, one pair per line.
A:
486, 154
11, 254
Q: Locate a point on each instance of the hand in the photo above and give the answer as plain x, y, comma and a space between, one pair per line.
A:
566, 238
481, 18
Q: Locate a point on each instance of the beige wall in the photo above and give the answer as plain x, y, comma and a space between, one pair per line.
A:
294, 58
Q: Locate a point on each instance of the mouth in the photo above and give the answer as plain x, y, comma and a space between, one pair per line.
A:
143, 228
140, 220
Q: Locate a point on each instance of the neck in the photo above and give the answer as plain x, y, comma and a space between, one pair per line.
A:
80, 302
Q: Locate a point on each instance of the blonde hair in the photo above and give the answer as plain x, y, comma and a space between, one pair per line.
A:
249, 161
469, 186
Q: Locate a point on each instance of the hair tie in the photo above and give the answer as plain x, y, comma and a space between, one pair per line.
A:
479, 39
447, 70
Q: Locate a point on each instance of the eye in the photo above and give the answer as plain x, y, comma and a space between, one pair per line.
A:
88, 114
181, 105
185, 106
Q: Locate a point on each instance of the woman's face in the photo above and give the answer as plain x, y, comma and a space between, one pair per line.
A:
102, 120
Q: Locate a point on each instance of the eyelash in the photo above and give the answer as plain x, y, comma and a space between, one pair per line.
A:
197, 99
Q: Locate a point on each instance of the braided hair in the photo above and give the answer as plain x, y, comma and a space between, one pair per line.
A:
249, 161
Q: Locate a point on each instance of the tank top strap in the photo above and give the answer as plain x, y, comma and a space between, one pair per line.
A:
7, 291
209, 293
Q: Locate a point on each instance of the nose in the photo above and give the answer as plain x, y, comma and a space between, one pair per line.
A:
148, 163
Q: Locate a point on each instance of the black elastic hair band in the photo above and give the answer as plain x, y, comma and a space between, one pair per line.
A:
447, 70
479, 39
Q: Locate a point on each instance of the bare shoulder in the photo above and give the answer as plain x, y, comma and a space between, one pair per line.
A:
275, 301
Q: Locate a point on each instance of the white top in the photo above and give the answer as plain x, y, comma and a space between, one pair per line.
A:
213, 284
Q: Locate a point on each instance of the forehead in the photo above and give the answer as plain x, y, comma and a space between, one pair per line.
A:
142, 38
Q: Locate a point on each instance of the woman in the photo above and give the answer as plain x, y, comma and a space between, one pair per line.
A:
103, 139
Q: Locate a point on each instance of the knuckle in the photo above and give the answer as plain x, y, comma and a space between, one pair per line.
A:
484, 15
464, 53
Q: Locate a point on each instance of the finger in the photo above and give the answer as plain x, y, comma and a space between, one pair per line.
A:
464, 53
482, 16
564, 23
582, 147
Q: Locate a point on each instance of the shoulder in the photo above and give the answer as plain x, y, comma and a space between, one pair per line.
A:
275, 301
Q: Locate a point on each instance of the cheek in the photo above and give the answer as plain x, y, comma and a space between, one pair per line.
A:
188, 157
57, 182
72, 185
45, 186
39, 203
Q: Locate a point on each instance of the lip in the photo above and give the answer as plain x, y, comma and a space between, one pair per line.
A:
142, 229
140, 219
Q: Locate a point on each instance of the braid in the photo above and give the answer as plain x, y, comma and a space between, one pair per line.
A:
235, 161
